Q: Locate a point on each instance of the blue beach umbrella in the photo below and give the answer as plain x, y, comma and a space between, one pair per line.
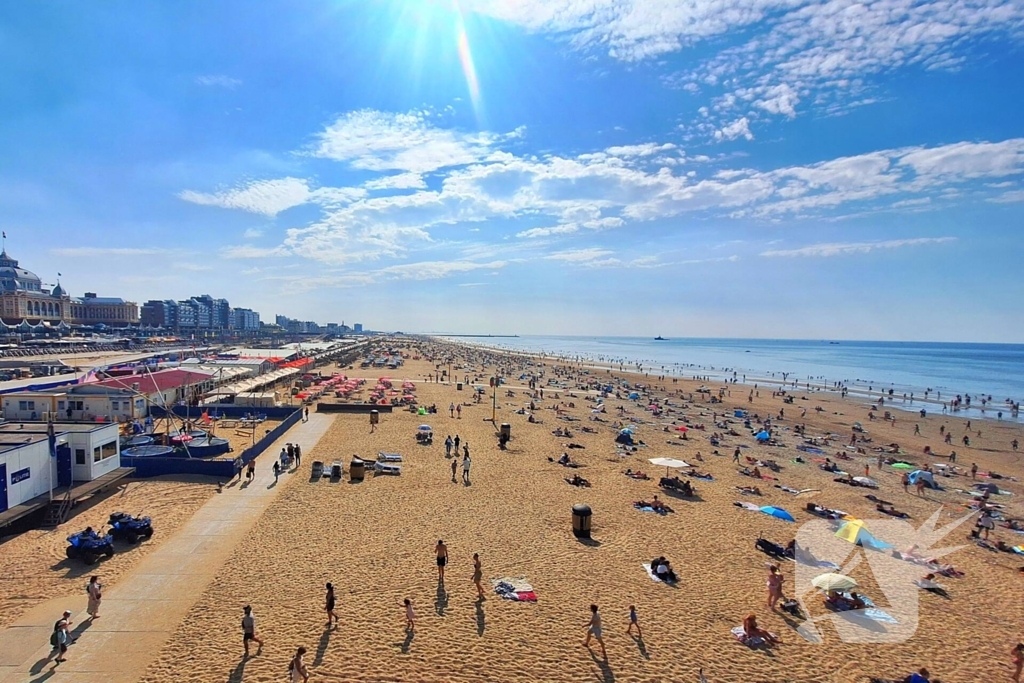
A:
425, 428
634, 396
625, 430
762, 436
778, 513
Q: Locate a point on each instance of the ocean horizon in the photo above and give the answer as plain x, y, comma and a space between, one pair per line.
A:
945, 369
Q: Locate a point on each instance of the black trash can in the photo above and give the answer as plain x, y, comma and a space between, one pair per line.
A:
506, 431
458, 386
374, 417
357, 469
581, 521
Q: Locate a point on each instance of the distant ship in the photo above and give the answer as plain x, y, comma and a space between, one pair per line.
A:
660, 339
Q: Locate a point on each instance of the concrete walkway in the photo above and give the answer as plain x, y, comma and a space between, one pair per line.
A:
148, 604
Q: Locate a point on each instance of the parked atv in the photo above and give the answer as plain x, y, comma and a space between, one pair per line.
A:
88, 546
125, 526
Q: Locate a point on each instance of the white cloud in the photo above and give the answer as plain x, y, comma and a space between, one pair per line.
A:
475, 284
191, 266
252, 233
266, 197
738, 128
579, 255
840, 248
1009, 197
218, 81
271, 197
643, 150
245, 251
433, 270
383, 141
402, 181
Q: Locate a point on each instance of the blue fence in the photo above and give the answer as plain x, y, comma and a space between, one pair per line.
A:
225, 410
221, 469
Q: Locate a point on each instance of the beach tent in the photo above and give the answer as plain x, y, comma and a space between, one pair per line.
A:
778, 513
634, 396
853, 530
927, 477
902, 466
625, 437
762, 436
987, 487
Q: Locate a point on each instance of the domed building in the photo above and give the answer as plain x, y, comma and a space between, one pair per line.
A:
25, 302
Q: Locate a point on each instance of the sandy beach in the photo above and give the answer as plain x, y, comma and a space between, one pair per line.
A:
375, 540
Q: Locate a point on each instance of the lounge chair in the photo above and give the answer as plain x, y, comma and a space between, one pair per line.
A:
384, 468
389, 457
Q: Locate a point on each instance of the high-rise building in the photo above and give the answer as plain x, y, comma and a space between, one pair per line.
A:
157, 313
246, 320
358, 328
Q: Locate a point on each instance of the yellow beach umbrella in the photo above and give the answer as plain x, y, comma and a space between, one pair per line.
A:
833, 582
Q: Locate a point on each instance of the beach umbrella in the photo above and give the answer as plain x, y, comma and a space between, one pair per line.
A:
866, 481
626, 430
902, 466
833, 582
668, 463
853, 531
762, 436
425, 428
778, 513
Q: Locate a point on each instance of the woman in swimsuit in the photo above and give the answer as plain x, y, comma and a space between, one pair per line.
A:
478, 574
329, 605
1018, 661
775, 579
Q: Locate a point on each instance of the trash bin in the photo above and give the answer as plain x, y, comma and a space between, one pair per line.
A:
357, 470
374, 417
506, 431
458, 386
581, 521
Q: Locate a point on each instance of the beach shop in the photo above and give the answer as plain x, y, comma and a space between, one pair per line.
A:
83, 459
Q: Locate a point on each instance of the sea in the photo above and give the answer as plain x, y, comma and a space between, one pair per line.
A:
867, 368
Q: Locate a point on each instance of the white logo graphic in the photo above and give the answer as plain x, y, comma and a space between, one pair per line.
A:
824, 549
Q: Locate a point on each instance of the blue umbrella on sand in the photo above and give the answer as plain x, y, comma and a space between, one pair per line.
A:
425, 428
762, 436
778, 513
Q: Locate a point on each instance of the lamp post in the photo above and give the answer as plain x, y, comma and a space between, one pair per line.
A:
494, 399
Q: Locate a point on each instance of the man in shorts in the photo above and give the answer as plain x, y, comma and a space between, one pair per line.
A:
249, 630
60, 638
441, 550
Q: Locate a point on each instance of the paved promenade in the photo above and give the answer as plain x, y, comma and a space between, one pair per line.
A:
141, 611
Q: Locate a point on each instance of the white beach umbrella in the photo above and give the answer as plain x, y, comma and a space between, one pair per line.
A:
668, 463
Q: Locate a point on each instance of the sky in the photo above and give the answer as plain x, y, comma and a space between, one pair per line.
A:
735, 168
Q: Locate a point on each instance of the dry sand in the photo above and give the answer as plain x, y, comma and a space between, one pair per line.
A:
33, 564
374, 540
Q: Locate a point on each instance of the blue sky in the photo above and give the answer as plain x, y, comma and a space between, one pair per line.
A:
756, 168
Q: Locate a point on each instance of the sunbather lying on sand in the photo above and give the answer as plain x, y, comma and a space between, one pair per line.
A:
636, 475
655, 505
577, 480
749, 490
891, 511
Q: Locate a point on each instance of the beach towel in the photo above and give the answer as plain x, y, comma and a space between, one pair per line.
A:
756, 641
514, 588
747, 506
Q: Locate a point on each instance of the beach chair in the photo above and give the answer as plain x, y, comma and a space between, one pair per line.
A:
389, 457
385, 468
336, 469
318, 469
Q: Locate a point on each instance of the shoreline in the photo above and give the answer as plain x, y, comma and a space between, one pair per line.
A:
863, 389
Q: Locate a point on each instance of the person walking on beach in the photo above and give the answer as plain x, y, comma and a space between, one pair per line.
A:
297, 671
410, 616
277, 470
60, 638
249, 630
332, 616
905, 480
441, 550
974, 470
594, 629
867, 470
919, 485
448, 446
305, 415
291, 453
455, 468
736, 455
298, 455
775, 579
1015, 444
458, 410
94, 589
633, 622
455, 443
466, 462
478, 574
250, 470
917, 430
451, 409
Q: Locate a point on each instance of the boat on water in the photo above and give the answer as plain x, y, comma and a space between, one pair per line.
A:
660, 338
